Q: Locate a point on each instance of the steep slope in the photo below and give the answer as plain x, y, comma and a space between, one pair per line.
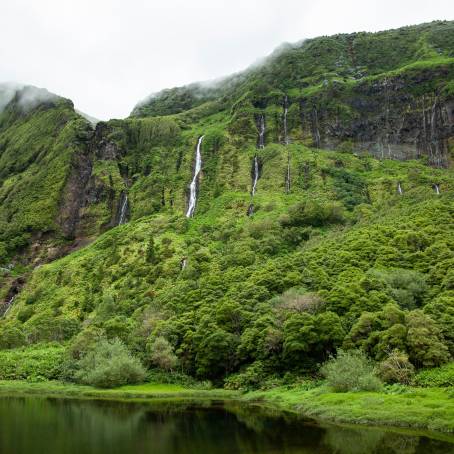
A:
43, 149
387, 93
211, 285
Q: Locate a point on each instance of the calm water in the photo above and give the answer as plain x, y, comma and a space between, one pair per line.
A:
42, 425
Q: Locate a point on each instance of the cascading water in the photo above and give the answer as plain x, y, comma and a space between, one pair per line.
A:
193, 185
255, 175
399, 189
8, 305
255, 178
183, 263
262, 131
436, 188
123, 210
286, 140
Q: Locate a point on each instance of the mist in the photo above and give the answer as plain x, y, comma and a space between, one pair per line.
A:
108, 55
26, 97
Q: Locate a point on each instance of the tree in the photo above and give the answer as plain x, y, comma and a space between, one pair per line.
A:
425, 345
161, 353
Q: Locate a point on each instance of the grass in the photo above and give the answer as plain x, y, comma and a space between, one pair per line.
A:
143, 391
420, 408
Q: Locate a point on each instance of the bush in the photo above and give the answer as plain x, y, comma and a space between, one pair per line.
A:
440, 376
396, 368
11, 336
34, 363
161, 354
350, 371
313, 213
250, 378
108, 365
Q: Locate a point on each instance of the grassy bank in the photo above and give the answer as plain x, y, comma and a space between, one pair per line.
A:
143, 391
417, 408
421, 408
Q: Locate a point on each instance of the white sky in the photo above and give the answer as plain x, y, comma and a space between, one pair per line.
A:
106, 55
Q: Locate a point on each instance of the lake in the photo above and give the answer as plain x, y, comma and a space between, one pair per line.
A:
64, 426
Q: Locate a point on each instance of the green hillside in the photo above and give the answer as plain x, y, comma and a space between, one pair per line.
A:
347, 242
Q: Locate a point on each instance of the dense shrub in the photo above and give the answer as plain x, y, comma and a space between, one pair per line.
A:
250, 378
108, 365
37, 362
161, 353
440, 376
11, 336
396, 368
313, 213
350, 371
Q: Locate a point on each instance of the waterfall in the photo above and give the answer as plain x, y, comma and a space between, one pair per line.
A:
183, 263
8, 305
437, 188
193, 185
399, 189
286, 141
287, 176
123, 210
262, 132
256, 175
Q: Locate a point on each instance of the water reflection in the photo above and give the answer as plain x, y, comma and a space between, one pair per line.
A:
40, 425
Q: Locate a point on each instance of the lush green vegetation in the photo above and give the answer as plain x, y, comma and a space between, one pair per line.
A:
281, 291
398, 406
339, 269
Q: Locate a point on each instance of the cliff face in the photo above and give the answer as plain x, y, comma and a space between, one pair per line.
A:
63, 182
398, 117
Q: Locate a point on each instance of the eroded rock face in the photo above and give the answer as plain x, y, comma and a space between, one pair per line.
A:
393, 118
84, 189
74, 193
102, 147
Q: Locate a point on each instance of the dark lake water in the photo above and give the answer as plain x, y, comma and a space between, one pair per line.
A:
43, 425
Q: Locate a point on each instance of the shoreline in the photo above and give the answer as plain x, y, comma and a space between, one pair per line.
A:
429, 411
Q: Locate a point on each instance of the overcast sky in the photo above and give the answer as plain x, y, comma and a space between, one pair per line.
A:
106, 55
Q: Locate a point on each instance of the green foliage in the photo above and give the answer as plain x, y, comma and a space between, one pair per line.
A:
396, 368
161, 353
39, 362
109, 364
312, 213
337, 259
251, 378
439, 376
350, 371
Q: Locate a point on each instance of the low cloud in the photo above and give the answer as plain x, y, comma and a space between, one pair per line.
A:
25, 96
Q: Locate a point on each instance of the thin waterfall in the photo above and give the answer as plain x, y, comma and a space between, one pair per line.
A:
255, 178
255, 175
437, 188
399, 189
123, 210
8, 305
286, 140
193, 185
183, 263
262, 132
